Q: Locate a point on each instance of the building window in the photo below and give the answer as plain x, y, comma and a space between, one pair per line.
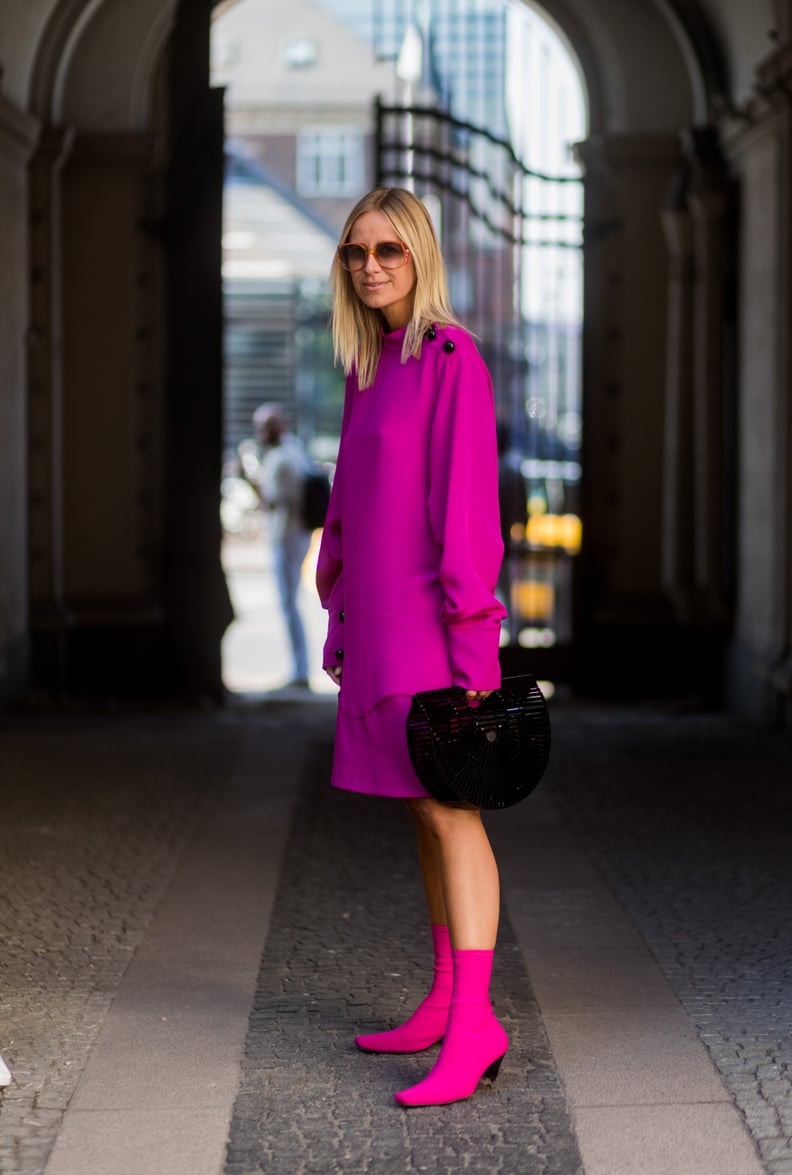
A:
330, 161
300, 53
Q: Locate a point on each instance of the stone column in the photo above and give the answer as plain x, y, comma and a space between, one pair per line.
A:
197, 605
698, 459
18, 132
709, 200
677, 530
625, 619
49, 615
759, 143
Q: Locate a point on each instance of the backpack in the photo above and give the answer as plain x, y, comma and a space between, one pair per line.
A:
316, 497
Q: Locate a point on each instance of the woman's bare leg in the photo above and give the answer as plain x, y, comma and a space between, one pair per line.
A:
459, 870
474, 1042
429, 859
428, 1022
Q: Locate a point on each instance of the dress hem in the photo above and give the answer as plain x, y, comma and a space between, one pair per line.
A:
367, 791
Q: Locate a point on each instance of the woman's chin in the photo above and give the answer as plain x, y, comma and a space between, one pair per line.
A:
375, 299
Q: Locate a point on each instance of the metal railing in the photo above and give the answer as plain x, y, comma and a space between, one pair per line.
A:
504, 225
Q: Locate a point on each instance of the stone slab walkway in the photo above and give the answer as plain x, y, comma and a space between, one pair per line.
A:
348, 951
191, 930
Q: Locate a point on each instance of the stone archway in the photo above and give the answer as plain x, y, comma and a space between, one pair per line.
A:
646, 76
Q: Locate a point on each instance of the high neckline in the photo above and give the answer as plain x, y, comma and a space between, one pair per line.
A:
393, 340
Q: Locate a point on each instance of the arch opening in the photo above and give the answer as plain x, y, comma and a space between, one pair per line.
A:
303, 144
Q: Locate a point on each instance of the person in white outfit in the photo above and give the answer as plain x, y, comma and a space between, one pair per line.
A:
280, 481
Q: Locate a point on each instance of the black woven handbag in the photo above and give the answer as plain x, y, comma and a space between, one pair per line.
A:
489, 756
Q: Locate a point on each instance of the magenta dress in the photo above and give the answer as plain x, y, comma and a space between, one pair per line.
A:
411, 551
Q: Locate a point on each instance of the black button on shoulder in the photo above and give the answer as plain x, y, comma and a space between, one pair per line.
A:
449, 346
431, 333
340, 654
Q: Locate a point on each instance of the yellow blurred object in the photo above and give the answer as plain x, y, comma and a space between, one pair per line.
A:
533, 600
555, 530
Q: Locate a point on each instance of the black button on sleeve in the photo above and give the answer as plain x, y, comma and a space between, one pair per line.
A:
449, 346
340, 654
341, 615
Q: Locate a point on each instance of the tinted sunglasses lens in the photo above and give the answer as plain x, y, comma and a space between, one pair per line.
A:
389, 254
352, 256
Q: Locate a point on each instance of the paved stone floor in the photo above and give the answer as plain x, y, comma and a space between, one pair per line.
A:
94, 815
690, 820
684, 818
350, 962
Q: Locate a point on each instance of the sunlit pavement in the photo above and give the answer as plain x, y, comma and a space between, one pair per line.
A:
194, 927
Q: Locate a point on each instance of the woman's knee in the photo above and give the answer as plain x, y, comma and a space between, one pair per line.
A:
440, 819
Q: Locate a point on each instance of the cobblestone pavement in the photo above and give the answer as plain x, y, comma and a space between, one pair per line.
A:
349, 951
95, 814
690, 820
687, 817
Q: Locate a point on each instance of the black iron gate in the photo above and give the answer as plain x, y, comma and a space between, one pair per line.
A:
509, 232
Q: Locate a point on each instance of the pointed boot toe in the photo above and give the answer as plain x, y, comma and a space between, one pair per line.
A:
462, 1064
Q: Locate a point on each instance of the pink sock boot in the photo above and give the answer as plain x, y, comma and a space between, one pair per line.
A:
474, 1044
428, 1022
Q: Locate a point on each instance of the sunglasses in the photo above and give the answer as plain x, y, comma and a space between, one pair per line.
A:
387, 254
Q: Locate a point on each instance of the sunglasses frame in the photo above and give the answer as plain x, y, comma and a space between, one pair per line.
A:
367, 251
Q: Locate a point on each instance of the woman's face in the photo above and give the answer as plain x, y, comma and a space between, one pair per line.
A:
387, 290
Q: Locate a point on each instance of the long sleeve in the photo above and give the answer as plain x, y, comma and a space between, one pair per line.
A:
330, 565
464, 515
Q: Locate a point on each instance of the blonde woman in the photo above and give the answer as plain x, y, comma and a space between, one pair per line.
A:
407, 568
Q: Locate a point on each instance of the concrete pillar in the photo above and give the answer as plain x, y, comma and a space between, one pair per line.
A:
709, 199
112, 433
625, 620
18, 133
197, 605
97, 416
698, 514
759, 678
48, 612
677, 521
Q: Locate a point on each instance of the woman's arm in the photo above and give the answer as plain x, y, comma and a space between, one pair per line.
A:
330, 566
330, 583
464, 514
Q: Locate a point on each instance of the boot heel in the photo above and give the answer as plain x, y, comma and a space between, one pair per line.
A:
493, 1071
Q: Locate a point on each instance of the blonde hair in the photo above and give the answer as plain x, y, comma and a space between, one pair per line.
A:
357, 329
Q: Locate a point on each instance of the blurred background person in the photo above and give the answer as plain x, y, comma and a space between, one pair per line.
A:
280, 478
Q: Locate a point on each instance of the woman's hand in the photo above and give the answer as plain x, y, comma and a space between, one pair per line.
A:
477, 695
334, 673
